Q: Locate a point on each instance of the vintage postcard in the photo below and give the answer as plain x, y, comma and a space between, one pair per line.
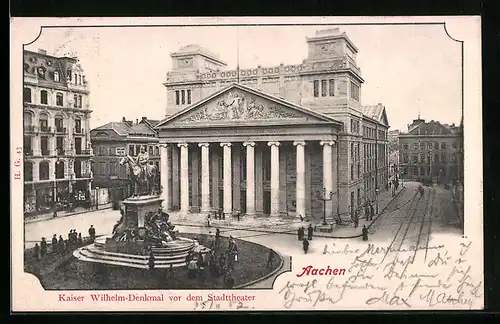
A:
246, 164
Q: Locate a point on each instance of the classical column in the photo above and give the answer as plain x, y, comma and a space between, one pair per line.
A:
184, 177
328, 174
300, 190
275, 178
227, 179
205, 177
250, 178
164, 172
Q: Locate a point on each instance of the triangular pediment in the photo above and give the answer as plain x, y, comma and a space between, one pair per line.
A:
242, 105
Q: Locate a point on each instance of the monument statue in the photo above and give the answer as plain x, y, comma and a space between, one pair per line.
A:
142, 174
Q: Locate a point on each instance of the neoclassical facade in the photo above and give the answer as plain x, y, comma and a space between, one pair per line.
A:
278, 141
57, 149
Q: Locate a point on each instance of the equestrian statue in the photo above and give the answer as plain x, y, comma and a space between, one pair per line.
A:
142, 174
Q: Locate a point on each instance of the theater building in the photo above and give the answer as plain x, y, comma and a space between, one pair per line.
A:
276, 141
56, 117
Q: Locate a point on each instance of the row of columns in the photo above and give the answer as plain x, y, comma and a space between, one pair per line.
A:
250, 181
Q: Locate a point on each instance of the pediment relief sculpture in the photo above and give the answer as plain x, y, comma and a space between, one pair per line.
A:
236, 105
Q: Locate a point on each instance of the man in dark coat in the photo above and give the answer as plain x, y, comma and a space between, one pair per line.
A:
61, 243
217, 238
54, 243
36, 251
92, 233
365, 233
372, 211
300, 233
43, 247
151, 261
310, 232
270, 259
305, 245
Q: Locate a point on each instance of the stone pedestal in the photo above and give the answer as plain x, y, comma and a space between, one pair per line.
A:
136, 210
324, 228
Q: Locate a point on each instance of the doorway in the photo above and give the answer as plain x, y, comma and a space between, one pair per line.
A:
243, 201
221, 199
266, 202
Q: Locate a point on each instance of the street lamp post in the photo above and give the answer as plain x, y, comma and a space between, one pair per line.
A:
96, 197
376, 197
324, 196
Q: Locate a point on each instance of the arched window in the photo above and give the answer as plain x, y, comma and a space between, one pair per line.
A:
27, 95
28, 119
28, 171
59, 123
75, 101
60, 169
44, 170
44, 122
44, 97
59, 99
56, 76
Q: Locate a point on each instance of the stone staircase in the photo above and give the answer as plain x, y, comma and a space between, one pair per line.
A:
174, 255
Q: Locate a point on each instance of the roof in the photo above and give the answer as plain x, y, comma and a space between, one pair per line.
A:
141, 129
255, 92
376, 112
431, 128
120, 128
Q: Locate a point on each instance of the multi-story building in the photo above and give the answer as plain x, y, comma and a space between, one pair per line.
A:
393, 153
272, 140
114, 140
57, 147
430, 151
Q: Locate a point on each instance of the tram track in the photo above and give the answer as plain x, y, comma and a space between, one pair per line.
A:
428, 210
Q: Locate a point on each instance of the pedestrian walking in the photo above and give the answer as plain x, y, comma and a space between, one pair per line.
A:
43, 247
208, 220
305, 245
79, 240
151, 261
61, 243
365, 233
300, 233
92, 233
310, 231
270, 259
54, 243
372, 211
36, 251
356, 221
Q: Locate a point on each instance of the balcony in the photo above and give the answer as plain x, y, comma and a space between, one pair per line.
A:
30, 129
45, 152
84, 175
78, 130
83, 152
61, 130
47, 129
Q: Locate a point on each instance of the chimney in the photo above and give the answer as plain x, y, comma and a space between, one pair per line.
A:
42, 51
137, 121
144, 118
123, 119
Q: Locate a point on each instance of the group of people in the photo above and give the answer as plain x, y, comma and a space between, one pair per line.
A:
59, 245
305, 241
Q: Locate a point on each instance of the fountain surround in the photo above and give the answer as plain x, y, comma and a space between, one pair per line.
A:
117, 250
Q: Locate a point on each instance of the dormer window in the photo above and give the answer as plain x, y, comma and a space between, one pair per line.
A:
56, 76
41, 72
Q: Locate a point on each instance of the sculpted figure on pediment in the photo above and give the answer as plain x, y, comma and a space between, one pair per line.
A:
236, 106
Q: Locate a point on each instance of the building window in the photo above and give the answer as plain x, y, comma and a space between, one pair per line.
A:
177, 98
56, 76
59, 99
354, 91
422, 171
112, 168
43, 170
352, 171
332, 88
44, 97
359, 170
405, 146
102, 150
429, 146
422, 158
102, 168
131, 150
443, 158
79, 79
443, 146
157, 151
422, 146
60, 145
78, 126
405, 158
415, 146
111, 151
150, 150
436, 145
415, 171
415, 158
183, 97
266, 169
323, 88
80, 101
316, 88
27, 95
44, 122
59, 123
28, 171
188, 97
243, 168
436, 157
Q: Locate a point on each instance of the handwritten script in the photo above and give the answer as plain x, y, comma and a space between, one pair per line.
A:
385, 277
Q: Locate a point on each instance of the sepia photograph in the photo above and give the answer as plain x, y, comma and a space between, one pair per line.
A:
213, 164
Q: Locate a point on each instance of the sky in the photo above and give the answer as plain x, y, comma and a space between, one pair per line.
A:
411, 69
